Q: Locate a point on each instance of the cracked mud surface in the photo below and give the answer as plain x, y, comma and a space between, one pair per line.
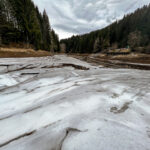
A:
62, 103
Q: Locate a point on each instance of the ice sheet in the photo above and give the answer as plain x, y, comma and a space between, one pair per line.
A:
47, 106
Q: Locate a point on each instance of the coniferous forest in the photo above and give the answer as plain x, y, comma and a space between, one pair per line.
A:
21, 22
132, 31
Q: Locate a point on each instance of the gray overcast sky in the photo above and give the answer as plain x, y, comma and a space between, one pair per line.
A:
71, 17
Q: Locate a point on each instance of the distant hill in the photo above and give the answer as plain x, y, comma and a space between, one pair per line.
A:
132, 31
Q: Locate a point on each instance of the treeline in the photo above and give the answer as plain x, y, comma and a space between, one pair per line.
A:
21, 22
132, 31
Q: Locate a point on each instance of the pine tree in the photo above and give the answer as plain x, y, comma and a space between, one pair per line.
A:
46, 32
21, 21
8, 23
54, 42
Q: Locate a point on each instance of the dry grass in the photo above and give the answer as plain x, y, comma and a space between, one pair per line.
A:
20, 52
133, 58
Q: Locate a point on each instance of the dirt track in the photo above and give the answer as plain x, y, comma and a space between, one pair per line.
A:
136, 61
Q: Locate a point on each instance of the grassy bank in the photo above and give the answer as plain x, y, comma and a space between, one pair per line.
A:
20, 52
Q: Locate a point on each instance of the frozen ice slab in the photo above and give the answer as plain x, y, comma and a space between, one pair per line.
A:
62, 103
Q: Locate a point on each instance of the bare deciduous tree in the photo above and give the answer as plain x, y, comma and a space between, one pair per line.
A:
134, 39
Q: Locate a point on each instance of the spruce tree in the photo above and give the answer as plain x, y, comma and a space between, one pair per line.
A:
46, 32
21, 21
54, 42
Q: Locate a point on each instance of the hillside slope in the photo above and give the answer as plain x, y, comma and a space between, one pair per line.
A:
132, 31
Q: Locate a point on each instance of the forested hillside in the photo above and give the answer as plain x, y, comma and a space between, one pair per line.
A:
21, 22
132, 31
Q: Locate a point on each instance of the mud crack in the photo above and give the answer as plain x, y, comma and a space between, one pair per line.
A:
67, 132
17, 138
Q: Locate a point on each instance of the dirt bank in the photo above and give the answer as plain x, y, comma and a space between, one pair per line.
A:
134, 61
20, 52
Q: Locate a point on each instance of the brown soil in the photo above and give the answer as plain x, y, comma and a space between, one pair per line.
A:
115, 110
116, 61
132, 58
135, 61
20, 52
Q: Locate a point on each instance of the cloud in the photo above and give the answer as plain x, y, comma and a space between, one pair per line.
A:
71, 17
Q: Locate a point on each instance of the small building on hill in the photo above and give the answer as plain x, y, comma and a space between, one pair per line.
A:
121, 51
